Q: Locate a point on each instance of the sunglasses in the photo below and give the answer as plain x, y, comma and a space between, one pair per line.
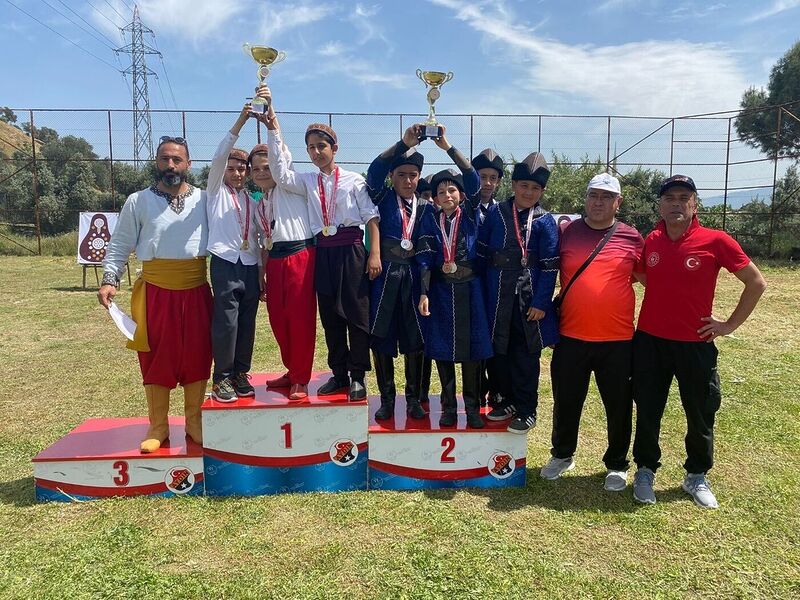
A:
168, 138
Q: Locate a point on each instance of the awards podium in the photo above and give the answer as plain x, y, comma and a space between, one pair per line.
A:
100, 458
413, 454
269, 444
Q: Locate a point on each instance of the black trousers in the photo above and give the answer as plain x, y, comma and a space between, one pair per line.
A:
517, 372
233, 326
694, 364
471, 380
571, 368
343, 300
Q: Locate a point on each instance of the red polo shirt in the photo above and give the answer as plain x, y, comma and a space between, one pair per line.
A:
682, 278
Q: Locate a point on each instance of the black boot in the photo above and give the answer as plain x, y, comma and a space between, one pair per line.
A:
384, 373
447, 376
471, 374
413, 367
425, 383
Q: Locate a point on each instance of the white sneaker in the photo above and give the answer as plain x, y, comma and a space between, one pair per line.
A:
556, 467
696, 485
616, 481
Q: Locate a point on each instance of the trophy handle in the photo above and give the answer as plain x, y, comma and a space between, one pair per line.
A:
280, 58
246, 50
447, 78
419, 75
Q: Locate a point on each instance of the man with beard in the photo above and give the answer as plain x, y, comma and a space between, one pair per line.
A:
234, 266
171, 302
521, 246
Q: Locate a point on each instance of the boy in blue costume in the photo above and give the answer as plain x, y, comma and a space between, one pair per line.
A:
454, 325
519, 240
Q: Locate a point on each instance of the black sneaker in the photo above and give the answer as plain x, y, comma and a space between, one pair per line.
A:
333, 386
522, 425
502, 411
241, 383
223, 391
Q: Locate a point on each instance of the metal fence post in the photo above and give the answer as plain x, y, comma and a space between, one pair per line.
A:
539, 145
774, 181
671, 146
111, 163
608, 143
471, 151
727, 169
35, 184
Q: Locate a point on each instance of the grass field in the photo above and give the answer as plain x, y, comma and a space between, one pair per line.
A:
62, 361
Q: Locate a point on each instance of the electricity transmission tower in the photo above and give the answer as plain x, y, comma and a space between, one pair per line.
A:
142, 128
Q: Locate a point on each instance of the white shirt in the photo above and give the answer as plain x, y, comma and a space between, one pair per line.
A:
149, 226
353, 205
226, 225
289, 212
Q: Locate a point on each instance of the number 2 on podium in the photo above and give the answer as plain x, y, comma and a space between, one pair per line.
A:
449, 444
287, 435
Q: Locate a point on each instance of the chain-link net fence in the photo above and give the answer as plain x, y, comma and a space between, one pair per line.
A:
57, 163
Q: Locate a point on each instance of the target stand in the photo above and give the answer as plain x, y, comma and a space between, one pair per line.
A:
100, 459
269, 444
414, 454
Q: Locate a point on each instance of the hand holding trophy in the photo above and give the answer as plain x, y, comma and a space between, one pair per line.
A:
265, 57
434, 80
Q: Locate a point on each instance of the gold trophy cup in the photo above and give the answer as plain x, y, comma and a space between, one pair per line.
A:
434, 80
265, 57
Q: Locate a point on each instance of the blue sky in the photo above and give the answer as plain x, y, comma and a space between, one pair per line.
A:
646, 57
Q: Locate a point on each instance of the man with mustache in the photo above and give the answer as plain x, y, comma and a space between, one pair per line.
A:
171, 302
676, 331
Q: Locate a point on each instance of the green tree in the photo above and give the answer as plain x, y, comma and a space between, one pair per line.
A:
7, 115
758, 125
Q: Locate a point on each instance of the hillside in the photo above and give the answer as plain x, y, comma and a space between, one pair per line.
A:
12, 139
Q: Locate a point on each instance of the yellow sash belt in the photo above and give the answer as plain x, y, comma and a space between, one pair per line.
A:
167, 273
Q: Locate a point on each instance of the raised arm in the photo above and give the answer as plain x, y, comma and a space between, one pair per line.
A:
379, 168
472, 182
220, 159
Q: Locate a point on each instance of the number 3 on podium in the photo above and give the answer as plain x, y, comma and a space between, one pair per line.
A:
121, 478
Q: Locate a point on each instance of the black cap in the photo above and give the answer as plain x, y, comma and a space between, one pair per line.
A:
409, 157
447, 175
533, 168
681, 180
488, 159
423, 185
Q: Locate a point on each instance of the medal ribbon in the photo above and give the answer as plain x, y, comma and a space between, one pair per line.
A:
245, 229
522, 246
328, 209
408, 223
450, 241
265, 214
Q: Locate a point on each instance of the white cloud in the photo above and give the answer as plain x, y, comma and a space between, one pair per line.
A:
363, 18
778, 6
277, 20
649, 77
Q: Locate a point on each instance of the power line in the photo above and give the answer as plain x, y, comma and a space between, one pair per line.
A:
115, 10
164, 68
63, 36
169, 115
78, 25
87, 22
102, 14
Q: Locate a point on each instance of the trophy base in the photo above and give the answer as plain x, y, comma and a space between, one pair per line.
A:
431, 131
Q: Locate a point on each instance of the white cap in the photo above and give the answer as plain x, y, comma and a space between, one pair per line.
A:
604, 181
